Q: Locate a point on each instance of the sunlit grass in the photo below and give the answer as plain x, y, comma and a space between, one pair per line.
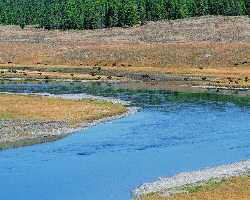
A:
27, 74
236, 188
54, 109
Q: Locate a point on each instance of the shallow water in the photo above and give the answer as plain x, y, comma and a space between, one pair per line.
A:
172, 133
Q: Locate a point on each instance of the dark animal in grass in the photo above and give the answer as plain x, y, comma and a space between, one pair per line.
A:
145, 76
109, 77
230, 80
185, 79
72, 75
98, 78
204, 78
246, 79
9, 62
114, 64
46, 77
241, 63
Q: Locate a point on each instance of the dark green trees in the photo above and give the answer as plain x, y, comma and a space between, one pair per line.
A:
90, 14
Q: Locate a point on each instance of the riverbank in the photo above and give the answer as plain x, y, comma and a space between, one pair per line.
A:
233, 188
212, 51
53, 74
173, 188
27, 120
190, 80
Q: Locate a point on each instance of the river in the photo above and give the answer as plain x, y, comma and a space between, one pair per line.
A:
171, 133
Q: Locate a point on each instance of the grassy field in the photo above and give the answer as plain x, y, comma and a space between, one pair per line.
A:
205, 41
20, 107
205, 46
230, 82
237, 188
50, 75
27, 120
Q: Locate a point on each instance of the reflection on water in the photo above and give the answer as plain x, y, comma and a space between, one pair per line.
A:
173, 132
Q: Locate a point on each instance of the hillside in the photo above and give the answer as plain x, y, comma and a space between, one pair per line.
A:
204, 41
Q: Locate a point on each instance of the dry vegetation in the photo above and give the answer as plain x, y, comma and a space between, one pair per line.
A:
19, 107
237, 188
216, 46
27, 120
230, 82
27, 74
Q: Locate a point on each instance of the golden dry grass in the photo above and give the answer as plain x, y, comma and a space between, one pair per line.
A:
54, 109
237, 188
209, 71
222, 72
204, 46
5, 73
230, 82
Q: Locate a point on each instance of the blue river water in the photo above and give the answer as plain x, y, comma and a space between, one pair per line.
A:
171, 133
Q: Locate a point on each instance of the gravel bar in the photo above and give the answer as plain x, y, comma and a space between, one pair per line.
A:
167, 185
16, 133
78, 96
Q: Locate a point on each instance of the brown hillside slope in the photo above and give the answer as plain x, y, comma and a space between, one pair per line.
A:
194, 45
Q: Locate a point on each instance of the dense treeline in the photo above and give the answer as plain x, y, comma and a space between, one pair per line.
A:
89, 14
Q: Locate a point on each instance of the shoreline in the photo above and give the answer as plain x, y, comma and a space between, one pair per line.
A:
78, 96
167, 186
43, 132
60, 133
180, 86
179, 83
222, 87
